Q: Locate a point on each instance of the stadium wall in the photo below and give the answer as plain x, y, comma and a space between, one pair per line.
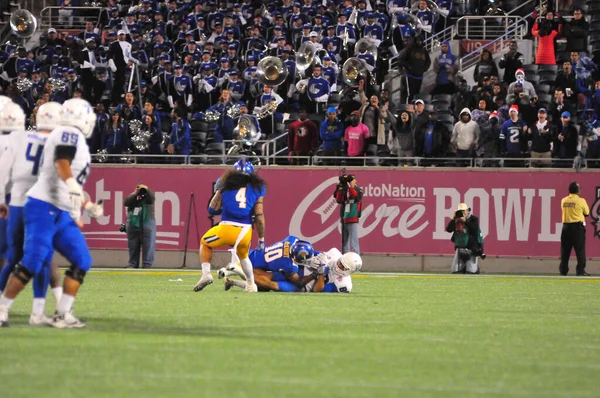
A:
404, 213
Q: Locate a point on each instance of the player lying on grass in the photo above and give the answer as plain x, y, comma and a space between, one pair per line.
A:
283, 257
327, 272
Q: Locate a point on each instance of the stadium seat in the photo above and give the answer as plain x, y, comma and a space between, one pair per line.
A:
442, 99
530, 69
334, 98
372, 150
542, 89
544, 100
214, 148
545, 68
446, 118
442, 107
425, 97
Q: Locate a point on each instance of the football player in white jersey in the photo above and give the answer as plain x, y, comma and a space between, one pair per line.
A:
53, 212
331, 272
4, 134
20, 165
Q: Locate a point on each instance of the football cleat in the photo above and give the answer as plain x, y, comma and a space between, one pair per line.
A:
3, 316
67, 321
39, 320
228, 284
251, 288
203, 282
221, 273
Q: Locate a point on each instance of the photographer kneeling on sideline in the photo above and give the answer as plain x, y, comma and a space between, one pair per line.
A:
467, 239
141, 226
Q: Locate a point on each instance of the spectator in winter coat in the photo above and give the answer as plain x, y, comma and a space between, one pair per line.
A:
558, 106
431, 140
414, 61
489, 138
542, 135
181, 140
567, 80
510, 62
566, 140
485, 67
465, 135
373, 116
462, 98
401, 141
576, 32
114, 139
446, 68
592, 141
527, 86
546, 32
331, 133
303, 137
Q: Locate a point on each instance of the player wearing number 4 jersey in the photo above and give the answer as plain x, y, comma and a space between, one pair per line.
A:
239, 196
20, 166
53, 212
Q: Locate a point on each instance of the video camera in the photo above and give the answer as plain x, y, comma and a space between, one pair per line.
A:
142, 192
459, 214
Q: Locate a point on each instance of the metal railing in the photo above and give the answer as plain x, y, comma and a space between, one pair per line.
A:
488, 28
69, 18
389, 161
522, 6
495, 46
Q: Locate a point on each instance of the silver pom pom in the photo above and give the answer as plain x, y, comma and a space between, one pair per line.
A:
127, 158
135, 126
165, 142
23, 84
57, 84
103, 158
234, 111
141, 141
212, 116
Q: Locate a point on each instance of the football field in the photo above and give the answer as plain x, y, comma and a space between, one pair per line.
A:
406, 335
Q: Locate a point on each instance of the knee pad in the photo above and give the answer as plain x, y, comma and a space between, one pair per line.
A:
76, 273
22, 274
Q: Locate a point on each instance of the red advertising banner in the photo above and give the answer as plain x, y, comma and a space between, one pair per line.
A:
404, 211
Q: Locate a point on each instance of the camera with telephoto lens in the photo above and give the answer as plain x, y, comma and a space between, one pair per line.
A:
346, 178
459, 214
123, 228
142, 192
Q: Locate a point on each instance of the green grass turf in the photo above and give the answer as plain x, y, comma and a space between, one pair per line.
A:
408, 336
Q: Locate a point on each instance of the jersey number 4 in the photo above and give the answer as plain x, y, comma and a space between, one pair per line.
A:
35, 157
240, 197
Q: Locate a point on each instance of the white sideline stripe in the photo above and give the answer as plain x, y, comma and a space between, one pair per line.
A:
163, 234
378, 274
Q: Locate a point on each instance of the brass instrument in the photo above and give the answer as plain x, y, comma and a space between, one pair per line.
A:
271, 71
23, 23
353, 71
268, 111
305, 56
366, 45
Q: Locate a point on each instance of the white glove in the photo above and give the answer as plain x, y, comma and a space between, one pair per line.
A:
318, 261
94, 210
76, 196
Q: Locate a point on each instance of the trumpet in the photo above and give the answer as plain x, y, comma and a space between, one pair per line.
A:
268, 110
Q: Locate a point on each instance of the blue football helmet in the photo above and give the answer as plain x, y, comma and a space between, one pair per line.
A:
301, 252
243, 166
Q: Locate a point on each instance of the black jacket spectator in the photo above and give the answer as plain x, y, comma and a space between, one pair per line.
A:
541, 141
565, 142
440, 140
485, 67
510, 62
576, 31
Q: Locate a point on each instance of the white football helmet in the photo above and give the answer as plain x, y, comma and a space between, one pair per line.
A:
12, 117
48, 116
348, 264
78, 113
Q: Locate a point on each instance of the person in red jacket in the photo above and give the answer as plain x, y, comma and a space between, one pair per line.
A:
349, 195
546, 31
303, 138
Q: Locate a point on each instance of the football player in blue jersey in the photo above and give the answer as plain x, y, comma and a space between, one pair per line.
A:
325, 272
238, 197
282, 258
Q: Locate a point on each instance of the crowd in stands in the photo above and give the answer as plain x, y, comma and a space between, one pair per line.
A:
197, 61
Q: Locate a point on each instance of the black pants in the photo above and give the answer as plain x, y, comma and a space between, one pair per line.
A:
407, 93
572, 236
92, 88
118, 86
